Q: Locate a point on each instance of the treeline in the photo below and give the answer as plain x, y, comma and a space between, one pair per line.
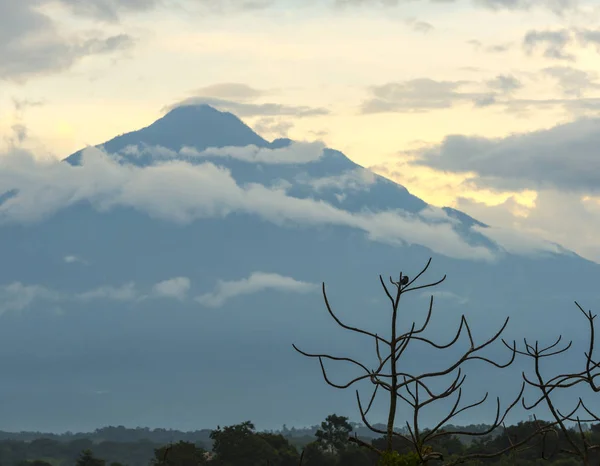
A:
115, 434
334, 443
202, 436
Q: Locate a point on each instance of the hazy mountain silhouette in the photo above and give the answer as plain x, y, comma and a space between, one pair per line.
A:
81, 347
199, 126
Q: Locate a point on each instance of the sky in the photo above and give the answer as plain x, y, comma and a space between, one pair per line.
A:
488, 106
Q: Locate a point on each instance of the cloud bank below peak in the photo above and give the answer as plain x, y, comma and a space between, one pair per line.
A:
297, 152
255, 283
17, 296
189, 192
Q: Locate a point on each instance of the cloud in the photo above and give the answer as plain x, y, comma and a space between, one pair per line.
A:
420, 26
31, 44
296, 152
498, 48
109, 10
437, 214
446, 295
19, 132
72, 259
504, 83
564, 157
570, 219
519, 242
175, 288
191, 192
589, 36
255, 283
423, 94
358, 179
553, 43
113, 10
127, 292
230, 91
228, 6
571, 81
577, 107
274, 126
17, 296
246, 109
22, 104
556, 6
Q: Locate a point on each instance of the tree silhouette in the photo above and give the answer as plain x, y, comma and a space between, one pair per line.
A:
179, 454
333, 434
416, 389
575, 441
87, 458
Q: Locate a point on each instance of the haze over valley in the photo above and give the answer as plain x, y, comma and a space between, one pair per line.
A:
178, 180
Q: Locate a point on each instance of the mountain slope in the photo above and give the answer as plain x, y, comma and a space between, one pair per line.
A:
162, 287
202, 127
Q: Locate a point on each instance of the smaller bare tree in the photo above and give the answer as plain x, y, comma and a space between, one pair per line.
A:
416, 390
570, 441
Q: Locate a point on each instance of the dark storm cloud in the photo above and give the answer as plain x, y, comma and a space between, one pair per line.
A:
564, 157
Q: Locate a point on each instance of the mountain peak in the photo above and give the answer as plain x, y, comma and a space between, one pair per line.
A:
198, 126
195, 111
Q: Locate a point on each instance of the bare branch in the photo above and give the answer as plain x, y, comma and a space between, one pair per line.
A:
415, 389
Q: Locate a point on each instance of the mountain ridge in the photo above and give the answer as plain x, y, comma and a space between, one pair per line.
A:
170, 293
202, 128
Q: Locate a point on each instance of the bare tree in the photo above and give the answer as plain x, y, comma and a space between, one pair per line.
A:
576, 442
415, 390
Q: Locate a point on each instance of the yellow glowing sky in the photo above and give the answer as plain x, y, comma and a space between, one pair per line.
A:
315, 56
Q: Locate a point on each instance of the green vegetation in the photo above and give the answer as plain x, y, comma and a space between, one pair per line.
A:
242, 445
